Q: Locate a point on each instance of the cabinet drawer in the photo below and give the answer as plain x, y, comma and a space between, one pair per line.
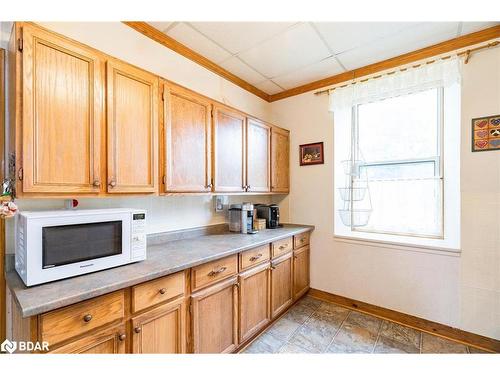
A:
253, 257
209, 273
281, 246
62, 324
158, 290
300, 240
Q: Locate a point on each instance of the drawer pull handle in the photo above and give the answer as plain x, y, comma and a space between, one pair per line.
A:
254, 258
216, 272
87, 318
122, 337
163, 290
283, 247
137, 329
302, 239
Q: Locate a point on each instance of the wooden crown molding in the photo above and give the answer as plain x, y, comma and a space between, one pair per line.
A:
407, 58
152, 33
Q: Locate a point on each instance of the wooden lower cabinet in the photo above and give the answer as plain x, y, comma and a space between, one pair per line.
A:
300, 272
215, 318
108, 341
281, 284
153, 317
161, 330
254, 300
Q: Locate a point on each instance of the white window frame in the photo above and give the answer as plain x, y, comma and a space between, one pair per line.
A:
437, 159
450, 164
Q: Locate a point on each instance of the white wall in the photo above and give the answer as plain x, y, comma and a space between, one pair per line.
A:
461, 291
120, 41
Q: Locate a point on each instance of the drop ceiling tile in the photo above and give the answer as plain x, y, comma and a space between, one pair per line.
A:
242, 70
297, 47
240, 36
191, 38
186, 35
310, 73
269, 87
470, 27
343, 36
162, 26
411, 39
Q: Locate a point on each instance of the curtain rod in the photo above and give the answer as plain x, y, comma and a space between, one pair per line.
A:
467, 54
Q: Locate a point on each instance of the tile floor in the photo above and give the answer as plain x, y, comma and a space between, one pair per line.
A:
314, 326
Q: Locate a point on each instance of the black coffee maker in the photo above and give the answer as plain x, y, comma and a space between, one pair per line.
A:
270, 212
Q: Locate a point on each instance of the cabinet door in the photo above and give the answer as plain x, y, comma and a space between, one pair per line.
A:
280, 160
258, 156
132, 103
109, 341
300, 272
215, 318
161, 330
62, 114
187, 150
229, 150
281, 284
254, 300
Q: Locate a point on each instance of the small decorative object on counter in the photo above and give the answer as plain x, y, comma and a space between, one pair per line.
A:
8, 208
259, 224
486, 133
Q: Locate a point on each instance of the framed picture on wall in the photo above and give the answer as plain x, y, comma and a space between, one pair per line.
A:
311, 154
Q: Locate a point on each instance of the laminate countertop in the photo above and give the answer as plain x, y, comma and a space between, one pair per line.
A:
162, 259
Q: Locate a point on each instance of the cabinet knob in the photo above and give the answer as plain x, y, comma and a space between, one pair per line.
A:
137, 329
248, 187
122, 337
97, 183
273, 268
209, 186
163, 290
87, 318
112, 183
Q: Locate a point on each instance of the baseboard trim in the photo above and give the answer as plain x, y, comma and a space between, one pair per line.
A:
437, 329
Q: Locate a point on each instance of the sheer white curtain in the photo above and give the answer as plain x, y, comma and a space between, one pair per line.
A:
441, 73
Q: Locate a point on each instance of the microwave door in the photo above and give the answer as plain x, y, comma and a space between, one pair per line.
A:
74, 243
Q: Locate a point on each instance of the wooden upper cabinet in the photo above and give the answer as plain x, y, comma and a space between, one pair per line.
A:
258, 156
62, 114
280, 160
132, 122
187, 141
228, 150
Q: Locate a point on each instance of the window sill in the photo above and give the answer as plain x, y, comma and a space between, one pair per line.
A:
398, 246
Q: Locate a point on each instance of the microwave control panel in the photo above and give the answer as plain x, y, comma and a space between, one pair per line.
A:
138, 244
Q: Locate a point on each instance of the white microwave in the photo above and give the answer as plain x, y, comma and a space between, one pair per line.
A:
54, 245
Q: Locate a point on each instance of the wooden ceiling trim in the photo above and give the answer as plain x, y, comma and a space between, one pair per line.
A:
407, 58
156, 35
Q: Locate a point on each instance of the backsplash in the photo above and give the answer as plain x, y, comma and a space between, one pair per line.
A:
164, 213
